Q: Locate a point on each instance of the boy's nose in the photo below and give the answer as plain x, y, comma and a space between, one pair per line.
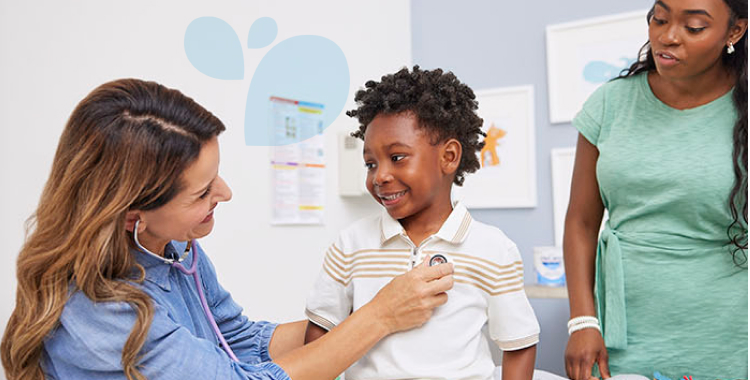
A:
382, 176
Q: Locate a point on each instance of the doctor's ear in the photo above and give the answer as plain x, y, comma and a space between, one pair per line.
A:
131, 217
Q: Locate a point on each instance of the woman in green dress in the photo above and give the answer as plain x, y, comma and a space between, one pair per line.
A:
664, 149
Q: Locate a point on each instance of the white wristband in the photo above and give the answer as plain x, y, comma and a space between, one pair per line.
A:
582, 319
582, 326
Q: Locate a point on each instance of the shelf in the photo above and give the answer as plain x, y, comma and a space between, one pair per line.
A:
538, 291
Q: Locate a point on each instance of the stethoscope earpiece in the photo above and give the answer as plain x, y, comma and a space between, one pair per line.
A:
162, 258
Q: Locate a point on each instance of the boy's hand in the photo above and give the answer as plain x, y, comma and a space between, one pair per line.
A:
409, 299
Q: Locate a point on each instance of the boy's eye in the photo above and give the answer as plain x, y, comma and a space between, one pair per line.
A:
369, 165
397, 157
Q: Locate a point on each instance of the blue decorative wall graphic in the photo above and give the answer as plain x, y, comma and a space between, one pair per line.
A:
600, 71
262, 33
304, 68
213, 48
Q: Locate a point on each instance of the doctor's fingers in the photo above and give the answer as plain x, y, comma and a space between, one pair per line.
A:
429, 273
440, 285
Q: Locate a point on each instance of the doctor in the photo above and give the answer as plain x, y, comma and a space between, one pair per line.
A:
107, 291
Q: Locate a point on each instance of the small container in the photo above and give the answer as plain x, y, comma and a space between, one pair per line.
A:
549, 266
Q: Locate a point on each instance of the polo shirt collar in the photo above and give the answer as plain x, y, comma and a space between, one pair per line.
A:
454, 229
157, 271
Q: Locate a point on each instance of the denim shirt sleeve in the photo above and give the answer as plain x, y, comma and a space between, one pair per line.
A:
87, 344
249, 340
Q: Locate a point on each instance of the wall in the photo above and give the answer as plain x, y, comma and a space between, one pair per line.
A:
491, 44
52, 54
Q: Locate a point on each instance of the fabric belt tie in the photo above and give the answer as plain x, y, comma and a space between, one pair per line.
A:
609, 290
609, 282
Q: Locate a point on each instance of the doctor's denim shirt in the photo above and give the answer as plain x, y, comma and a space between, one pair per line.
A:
181, 344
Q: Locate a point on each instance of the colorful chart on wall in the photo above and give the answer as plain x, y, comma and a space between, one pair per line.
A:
297, 168
507, 177
584, 54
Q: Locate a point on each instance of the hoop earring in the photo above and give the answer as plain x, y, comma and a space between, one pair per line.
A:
730, 48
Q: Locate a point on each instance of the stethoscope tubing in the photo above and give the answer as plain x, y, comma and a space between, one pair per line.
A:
193, 271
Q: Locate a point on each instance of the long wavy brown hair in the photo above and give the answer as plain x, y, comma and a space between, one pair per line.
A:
123, 148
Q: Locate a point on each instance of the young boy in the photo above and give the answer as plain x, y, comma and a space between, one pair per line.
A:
421, 134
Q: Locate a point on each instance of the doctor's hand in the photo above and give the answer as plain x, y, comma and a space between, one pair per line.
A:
409, 299
586, 347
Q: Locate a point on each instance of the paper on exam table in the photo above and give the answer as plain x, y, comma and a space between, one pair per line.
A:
544, 375
538, 375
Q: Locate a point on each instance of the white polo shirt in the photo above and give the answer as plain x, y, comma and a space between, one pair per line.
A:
488, 289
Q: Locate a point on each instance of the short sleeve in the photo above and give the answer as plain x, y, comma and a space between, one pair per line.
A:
512, 322
588, 121
329, 301
88, 343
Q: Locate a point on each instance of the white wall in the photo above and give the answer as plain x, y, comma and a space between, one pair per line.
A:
52, 53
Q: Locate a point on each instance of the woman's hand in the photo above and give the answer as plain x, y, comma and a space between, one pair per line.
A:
409, 299
404, 303
586, 347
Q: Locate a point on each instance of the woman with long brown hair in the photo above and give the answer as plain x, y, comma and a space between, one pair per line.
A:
664, 149
105, 288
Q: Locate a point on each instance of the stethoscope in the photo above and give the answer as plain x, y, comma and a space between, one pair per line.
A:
194, 272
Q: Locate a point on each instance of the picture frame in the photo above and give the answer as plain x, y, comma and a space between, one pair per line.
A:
507, 174
562, 163
582, 55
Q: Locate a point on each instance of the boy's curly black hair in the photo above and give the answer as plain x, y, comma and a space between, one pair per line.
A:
443, 105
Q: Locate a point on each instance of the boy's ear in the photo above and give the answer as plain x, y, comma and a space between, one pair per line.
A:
131, 217
450, 156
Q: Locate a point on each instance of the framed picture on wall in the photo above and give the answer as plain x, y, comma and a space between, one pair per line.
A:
507, 176
563, 160
584, 54
562, 173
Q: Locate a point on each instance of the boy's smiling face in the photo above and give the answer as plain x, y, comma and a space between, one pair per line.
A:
407, 174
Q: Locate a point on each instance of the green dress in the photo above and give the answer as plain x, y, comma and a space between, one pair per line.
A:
669, 296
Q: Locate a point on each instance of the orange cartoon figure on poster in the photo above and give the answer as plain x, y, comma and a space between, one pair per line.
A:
489, 152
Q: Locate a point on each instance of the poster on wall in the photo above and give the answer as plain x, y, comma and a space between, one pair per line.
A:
507, 176
582, 55
297, 169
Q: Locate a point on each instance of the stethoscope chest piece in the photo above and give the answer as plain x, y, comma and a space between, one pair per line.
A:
438, 259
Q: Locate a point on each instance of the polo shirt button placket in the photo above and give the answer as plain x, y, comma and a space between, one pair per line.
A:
414, 255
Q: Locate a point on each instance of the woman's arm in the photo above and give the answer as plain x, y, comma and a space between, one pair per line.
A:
287, 337
582, 223
519, 364
406, 302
